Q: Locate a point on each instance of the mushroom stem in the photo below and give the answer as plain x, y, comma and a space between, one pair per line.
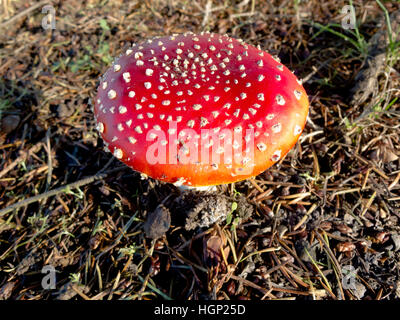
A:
184, 188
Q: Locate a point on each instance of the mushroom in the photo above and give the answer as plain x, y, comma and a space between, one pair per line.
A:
199, 109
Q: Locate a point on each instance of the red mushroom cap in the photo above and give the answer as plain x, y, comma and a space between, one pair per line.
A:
200, 109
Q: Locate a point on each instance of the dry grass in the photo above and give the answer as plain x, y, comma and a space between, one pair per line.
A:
334, 201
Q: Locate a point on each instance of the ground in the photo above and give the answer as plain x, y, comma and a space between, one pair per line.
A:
321, 224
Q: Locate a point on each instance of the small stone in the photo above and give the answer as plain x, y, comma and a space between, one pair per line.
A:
10, 123
157, 222
65, 110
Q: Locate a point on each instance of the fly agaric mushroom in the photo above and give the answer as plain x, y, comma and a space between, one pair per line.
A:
199, 110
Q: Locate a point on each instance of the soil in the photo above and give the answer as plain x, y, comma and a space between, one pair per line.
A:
321, 224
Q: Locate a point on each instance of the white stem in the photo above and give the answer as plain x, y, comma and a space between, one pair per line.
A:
184, 188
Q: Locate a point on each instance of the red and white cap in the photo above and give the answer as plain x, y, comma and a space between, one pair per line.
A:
199, 110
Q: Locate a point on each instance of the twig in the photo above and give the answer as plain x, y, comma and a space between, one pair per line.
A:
315, 70
76, 289
207, 11
57, 191
292, 291
49, 159
271, 249
368, 205
21, 158
24, 13
302, 220
335, 263
253, 285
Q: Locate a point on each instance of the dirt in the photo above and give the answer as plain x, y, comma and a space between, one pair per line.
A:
321, 224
